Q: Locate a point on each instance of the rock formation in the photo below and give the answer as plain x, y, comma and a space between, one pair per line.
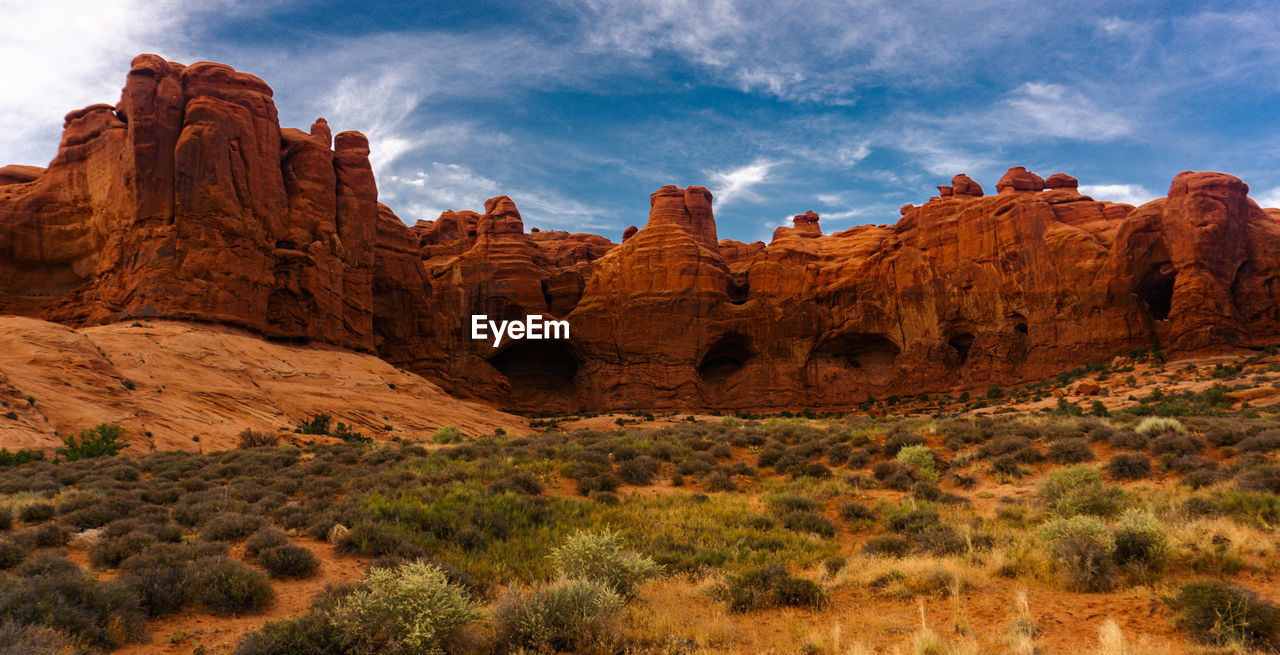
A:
186, 200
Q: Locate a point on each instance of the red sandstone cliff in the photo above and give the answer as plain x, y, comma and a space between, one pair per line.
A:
187, 200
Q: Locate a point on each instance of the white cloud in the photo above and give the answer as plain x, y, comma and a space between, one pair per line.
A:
64, 55
1057, 111
430, 191
1133, 194
731, 185
1269, 198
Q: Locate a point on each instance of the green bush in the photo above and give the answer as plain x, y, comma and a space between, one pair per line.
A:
1158, 425
1084, 551
409, 609
19, 457
599, 557
289, 561
1141, 543
577, 616
102, 440
920, 458
447, 435
227, 587
1224, 614
1080, 490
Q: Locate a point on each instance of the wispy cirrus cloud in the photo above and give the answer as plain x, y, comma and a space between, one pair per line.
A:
738, 184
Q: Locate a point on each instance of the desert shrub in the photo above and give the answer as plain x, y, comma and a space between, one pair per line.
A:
599, 557
250, 438
802, 521
36, 512
894, 475
51, 535
448, 434
159, 578
770, 586
1264, 442
577, 616
920, 458
309, 634
1223, 614
6, 518
1129, 439
1084, 551
854, 511
1070, 451
838, 454
769, 455
891, 545
110, 550
264, 539
605, 482
289, 561
1015, 446
939, 539
897, 440
409, 609
13, 551
226, 587
720, 481
230, 526
1129, 466
102, 440
20, 639
1141, 542
1080, 490
374, 540
858, 458
1261, 478
1175, 444
697, 463
639, 470
787, 502
1158, 425
61, 596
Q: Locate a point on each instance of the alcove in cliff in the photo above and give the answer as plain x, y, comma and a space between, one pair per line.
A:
961, 342
726, 356
536, 365
1155, 289
870, 353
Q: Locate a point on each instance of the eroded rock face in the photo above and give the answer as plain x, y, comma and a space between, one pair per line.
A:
143, 214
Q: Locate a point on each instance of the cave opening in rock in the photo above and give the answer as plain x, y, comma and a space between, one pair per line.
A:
738, 291
726, 356
871, 353
536, 365
1019, 322
961, 342
1155, 290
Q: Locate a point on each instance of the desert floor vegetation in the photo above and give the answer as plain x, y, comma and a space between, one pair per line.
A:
1020, 532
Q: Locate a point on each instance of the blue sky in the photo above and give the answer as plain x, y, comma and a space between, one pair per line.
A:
578, 109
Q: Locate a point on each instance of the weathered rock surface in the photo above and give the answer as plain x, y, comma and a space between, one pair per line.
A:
197, 387
187, 200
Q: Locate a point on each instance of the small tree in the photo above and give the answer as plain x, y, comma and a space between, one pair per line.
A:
102, 440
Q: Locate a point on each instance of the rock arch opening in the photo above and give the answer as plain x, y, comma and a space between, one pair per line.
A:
1019, 323
1155, 289
726, 356
961, 343
870, 353
536, 365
